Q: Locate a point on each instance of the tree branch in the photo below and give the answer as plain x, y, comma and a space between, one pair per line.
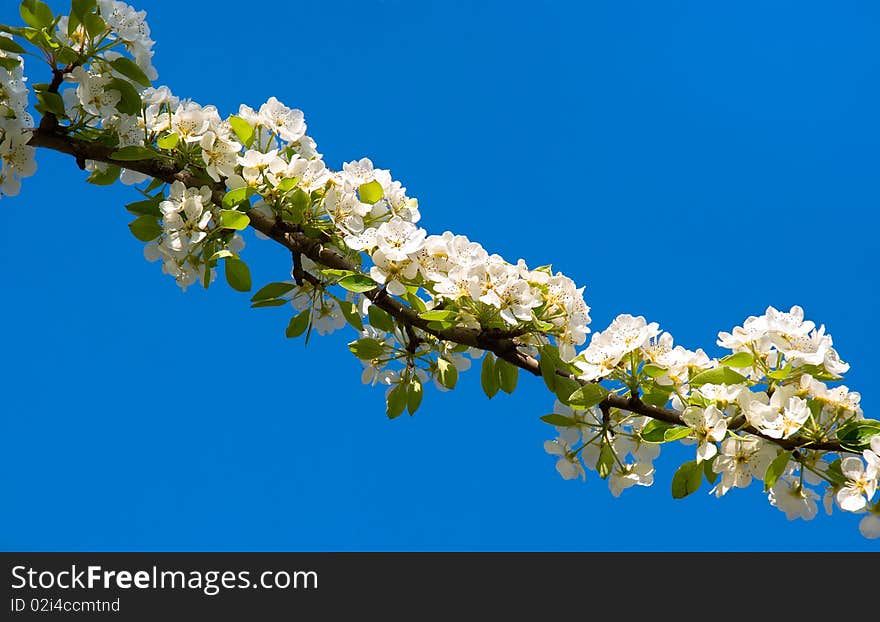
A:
501, 343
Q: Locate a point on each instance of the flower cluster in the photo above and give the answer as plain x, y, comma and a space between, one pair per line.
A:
736, 410
16, 157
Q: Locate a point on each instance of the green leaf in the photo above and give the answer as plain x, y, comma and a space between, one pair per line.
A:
169, 141
49, 102
415, 302
147, 207
835, 473
9, 64
272, 290
130, 100
233, 219
66, 55
606, 461
776, 469
238, 275
656, 397
565, 387
145, 228
287, 184
856, 435
686, 480
94, 23
711, 476
396, 401
488, 376
414, 394
559, 420
239, 195
739, 359
380, 319
357, 283
244, 131
36, 14
350, 312
654, 371
366, 349
269, 302
298, 324
370, 192
719, 375
130, 70
779, 374
439, 315
587, 396
548, 371
222, 254
81, 7
507, 375
655, 431
105, 178
447, 374
134, 153
676, 433
10, 45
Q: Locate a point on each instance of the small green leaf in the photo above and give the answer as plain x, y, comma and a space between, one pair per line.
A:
244, 131
587, 396
10, 45
134, 153
366, 349
439, 315
415, 302
718, 375
739, 359
396, 401
81, 7
94, 23
9, 64
238, 275
711, 475
676, 433
298, 324
686, 480
239, 195
779, 374
130, 99
145, 228
414, 394
49, 102
380, 319
357, 283
350, 312
548, 371
106, 177
776, 469
370, 192
606, 461
287, 184
655, 431
147, 207
222, 254
559, 420
169, 141
130, 70
36, 14
654, 371
233, 219
565, 387
488, 376
447, 374
656, 397
508, 375
856, 435
272, 290
269, 302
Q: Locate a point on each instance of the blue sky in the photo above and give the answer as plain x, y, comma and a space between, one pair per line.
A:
687, 161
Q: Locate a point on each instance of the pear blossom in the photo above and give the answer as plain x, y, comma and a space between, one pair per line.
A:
740, 460
709, 428
289, 124
568, 466
860, 486
795, 500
